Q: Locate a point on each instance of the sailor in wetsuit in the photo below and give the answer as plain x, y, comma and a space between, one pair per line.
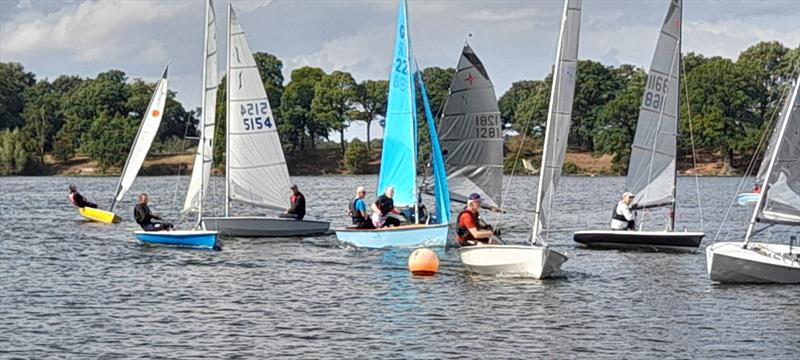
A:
144, 217
77, 199
358, 210
470, 230
383, 208
623, 218
297, 209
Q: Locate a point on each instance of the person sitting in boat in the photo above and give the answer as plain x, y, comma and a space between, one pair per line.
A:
383, 209
77, 199
144, 217
757, 188
470, 229
358, 210
623, 218
297, 201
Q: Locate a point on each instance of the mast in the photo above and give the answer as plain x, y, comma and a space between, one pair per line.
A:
228, 118
537, 226
203, 113
678, 116
412, 102
765, 188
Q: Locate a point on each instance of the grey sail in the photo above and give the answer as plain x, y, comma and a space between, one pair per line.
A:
470, 133
762, 171
651, 172
782, 190
559, 116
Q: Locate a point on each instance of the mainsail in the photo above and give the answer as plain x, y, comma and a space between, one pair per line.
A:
399, 155
651, 172
204, 156
470, 133
256, 168
559, 115
144, 138
782, 190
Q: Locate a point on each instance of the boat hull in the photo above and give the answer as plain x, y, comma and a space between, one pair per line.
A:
258, 226
180, 238
673, 241
538, 262
99, 215
408, 236
729, 262
747, 198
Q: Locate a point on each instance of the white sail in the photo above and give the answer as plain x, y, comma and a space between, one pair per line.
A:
651, 172
144, 138
204, 156
257, 172
559, 116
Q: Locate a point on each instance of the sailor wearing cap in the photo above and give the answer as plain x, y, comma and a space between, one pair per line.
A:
623, 218
470, 230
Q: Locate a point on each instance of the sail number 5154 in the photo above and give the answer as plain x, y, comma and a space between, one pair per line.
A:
255, 116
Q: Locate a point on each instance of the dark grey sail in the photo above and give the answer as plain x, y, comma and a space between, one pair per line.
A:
651, 172
782, 190
470, 133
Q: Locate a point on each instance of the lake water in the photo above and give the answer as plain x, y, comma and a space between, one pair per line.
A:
72, 289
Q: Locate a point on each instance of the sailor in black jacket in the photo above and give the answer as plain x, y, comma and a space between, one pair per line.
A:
144, 217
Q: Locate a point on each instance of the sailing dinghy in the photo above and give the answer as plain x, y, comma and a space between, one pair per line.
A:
538, 259
196, 238
255, 167
141, 146
470, 134
651, 172
399, 157
778, 204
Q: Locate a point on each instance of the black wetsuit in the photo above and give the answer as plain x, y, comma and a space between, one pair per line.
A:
297, 210
80, 201
144, 217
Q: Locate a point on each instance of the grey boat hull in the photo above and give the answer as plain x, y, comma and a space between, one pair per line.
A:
260, 226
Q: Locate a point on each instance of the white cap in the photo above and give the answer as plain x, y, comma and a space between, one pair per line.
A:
628, 194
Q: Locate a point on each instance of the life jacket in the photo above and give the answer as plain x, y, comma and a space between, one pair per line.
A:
72, 199
355, 215
617, 216
462, 232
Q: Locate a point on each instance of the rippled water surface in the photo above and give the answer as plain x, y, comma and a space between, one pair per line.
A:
74, 289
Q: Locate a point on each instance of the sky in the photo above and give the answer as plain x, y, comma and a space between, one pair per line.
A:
515, 39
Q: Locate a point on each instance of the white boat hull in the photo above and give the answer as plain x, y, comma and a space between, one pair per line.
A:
259, 226
538, 262
407, 236
729, 262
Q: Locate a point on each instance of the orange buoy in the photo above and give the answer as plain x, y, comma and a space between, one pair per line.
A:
423, 262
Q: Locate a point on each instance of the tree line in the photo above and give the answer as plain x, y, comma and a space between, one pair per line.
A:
730, 102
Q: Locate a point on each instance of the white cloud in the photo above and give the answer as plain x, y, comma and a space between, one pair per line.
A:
365, 54
24, 4
89, 32
248, 6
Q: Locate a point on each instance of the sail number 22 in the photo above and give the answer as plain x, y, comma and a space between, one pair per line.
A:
255, 116
656, 92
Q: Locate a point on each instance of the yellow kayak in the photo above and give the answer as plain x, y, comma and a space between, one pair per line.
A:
99, 215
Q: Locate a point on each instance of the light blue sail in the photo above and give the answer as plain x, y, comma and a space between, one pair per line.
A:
399, 155
441, 192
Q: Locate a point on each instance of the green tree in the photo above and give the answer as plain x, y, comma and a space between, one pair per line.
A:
617, 121
437, 83
42, 117
14, 159
13, 82
298, 124
356, 158
108, 93
371, 95
334, 97
596, 85
109, 139
764, 62
271, 70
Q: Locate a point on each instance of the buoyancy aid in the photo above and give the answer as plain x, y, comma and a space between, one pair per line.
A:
355, 215
617, 216
462, 232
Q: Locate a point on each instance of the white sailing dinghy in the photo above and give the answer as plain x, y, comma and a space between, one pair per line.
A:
471, 135
778, 203
538, 260
255, 167
399, 157
651, 172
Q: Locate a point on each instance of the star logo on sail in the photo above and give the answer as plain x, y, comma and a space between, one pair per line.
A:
470, 78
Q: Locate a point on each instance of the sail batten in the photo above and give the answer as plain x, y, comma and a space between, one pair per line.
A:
201, 170
256, 167
652, 166
470, 133
559, 115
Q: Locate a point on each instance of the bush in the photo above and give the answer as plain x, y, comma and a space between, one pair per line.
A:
109, 140
571, 169
356, 158
63, 147
14, 158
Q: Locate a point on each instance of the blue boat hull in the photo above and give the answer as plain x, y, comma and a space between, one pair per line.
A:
194, 239
747, 198
410, 236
